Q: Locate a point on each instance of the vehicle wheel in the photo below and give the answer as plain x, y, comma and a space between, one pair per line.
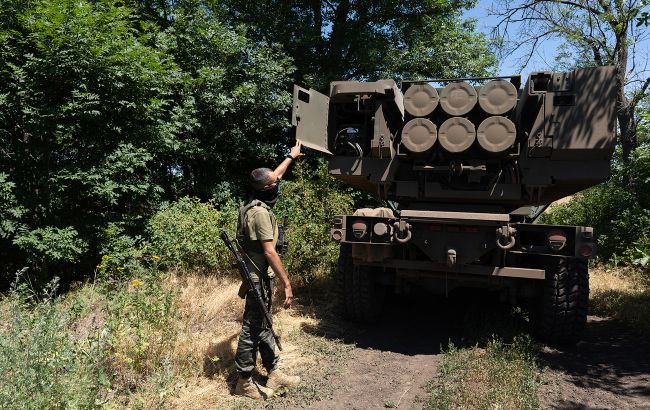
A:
359, 297
565, 301
341, 278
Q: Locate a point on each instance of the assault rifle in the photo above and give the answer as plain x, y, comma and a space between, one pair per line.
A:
248, 280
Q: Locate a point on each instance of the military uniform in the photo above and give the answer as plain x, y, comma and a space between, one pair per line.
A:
256, 224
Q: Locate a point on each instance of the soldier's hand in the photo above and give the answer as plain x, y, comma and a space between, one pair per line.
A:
295, 151
288, 297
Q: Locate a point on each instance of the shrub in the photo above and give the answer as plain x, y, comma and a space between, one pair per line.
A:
185, 234
140, 324
311, 201
121, 253
41, 365
618, 210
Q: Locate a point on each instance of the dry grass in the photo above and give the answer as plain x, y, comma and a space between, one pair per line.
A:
562, 201
204, 353
622, 294
209, 322
196, 367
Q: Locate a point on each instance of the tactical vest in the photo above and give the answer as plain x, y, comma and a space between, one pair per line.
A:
242, 235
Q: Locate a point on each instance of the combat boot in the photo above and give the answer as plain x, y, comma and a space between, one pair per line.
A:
248, 388
278, 379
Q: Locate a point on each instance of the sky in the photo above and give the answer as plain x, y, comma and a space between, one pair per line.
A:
542, 60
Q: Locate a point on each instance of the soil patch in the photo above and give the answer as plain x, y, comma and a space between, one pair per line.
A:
395, 357
608, 369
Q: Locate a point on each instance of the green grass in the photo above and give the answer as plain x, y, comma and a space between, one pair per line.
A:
42, 363
499, 376
102, 344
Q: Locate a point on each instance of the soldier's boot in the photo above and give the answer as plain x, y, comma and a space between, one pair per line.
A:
248, 388
277, 379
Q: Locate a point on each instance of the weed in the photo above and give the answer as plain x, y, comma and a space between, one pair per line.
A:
498, 376
41, 365
389, 404
140, 318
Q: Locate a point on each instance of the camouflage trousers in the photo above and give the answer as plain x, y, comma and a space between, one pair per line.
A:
255, 335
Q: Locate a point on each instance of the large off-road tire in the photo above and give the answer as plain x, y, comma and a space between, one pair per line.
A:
565, 301
359, 296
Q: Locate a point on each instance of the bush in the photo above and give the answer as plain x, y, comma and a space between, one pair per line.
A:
140, 324
311, 201
121, 253
185, 234
41, 365
619, 211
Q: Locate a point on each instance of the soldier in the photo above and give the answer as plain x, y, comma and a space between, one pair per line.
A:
257, 231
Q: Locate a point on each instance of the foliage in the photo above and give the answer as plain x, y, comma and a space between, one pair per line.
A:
41, 366
121, 253
110, 109
103, 342
354, 39
185, 234
105, 112
50, 243
311, 201
10, 210
140, 324
618, 211
499, 376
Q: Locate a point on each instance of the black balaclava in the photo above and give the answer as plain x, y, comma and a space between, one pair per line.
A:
260, 178
269, 196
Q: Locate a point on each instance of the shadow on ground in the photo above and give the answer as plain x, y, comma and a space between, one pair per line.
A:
611, 364
425, 323
609, 368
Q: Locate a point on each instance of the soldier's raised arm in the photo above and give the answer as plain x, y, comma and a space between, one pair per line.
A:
293, 155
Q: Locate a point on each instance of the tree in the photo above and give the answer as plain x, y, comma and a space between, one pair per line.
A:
353, 39
603, 32
104, 113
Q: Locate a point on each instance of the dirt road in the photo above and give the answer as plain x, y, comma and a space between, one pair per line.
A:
393, 360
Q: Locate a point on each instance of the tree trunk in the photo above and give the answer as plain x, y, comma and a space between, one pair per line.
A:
624, 109
335, 66
627, 127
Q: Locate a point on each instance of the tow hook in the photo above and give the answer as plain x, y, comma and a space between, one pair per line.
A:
402, 231
451, 257
506, 237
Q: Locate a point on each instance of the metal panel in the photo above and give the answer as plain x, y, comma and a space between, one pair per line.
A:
584, 120
310, 111
456, 215
408, 267
519, 273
